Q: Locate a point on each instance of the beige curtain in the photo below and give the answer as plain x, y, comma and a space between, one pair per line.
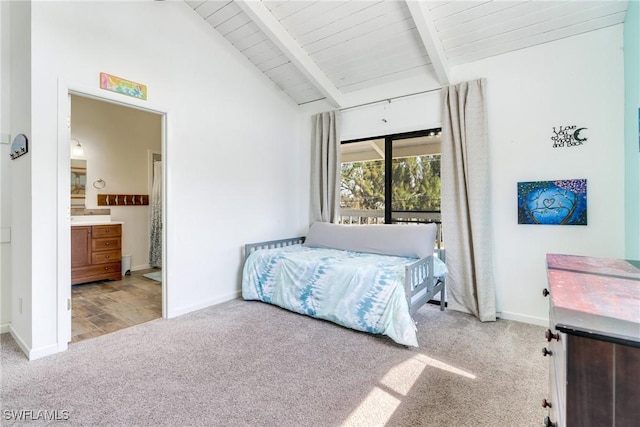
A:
325, 167
466, 199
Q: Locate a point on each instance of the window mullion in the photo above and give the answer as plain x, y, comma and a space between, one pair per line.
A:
388, 172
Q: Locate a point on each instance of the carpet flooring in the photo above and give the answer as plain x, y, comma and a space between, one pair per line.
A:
246, 363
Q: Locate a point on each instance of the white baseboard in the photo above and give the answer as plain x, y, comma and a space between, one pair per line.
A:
4, 328
140, 267
18, 339
188, 309
36, 353
48, 350
540, 321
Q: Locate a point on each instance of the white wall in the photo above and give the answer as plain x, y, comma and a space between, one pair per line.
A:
574, 81
577, 80
20, 202
410, 113
233, 155
116, 140
5, 187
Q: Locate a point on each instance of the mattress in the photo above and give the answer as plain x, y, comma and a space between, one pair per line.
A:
361, 291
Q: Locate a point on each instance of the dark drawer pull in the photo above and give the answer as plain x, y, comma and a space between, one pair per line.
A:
545, 403
545, 292
551, 336
546, 352
549, 423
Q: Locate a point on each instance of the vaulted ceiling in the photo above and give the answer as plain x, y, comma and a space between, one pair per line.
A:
351, 52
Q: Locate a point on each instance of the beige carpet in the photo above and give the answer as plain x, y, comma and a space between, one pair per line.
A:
252, 364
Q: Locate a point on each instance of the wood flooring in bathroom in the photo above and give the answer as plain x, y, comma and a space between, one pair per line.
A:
99, 308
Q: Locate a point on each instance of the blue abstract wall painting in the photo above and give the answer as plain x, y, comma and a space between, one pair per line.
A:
562, 202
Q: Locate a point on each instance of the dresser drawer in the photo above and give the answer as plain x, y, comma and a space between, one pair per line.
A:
107, 231
555, 410
557, 342
558, 373
110, 243
103, 257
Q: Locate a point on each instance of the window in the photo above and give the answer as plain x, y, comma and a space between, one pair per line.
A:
391, 179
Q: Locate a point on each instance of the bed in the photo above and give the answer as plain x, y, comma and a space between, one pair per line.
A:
370, 278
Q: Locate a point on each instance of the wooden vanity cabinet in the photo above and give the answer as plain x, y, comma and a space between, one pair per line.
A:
96, 253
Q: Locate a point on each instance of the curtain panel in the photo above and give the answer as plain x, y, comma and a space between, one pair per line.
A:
325, 167
466, 206
155, 246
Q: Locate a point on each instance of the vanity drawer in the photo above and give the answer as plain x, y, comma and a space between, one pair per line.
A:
103, 257
111, 243
106, 231
96, 272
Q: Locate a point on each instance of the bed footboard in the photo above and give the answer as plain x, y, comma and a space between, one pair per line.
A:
421, 285
271, 244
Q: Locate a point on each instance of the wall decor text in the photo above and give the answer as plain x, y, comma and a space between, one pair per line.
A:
568, 136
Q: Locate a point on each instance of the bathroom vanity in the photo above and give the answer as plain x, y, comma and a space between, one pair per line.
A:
96, 241
96, 252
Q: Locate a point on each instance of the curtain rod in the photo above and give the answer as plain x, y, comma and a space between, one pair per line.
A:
389, 99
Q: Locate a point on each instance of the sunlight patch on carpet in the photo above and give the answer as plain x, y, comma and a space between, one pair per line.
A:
444, 366
378, 405
399, 379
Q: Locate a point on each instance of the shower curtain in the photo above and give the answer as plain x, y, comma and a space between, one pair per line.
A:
155, 248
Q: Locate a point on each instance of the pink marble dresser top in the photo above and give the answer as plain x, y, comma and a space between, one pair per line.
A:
595, 295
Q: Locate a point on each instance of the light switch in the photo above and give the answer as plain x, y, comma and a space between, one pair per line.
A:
5, 234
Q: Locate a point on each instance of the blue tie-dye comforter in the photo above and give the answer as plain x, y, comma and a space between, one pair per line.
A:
358, 290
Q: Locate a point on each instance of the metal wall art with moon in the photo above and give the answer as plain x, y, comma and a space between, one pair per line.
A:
568, 136
19, 146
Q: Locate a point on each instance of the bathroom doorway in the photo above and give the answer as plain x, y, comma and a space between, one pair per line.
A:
116, 140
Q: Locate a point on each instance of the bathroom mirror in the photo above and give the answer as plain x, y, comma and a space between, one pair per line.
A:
78, 182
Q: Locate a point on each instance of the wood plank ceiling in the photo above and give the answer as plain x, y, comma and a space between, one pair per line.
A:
341, 50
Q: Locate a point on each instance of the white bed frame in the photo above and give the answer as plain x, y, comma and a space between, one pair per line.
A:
420, 285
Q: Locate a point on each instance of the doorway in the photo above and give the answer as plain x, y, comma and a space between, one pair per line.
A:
115, 139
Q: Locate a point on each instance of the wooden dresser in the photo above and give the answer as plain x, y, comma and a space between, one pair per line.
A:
96, 253
594, 342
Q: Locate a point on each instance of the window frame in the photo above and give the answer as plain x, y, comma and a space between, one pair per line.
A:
388, 168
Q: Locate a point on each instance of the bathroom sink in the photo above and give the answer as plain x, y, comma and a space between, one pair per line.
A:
93, 219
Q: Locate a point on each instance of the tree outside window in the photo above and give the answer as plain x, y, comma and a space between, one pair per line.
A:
391, 179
